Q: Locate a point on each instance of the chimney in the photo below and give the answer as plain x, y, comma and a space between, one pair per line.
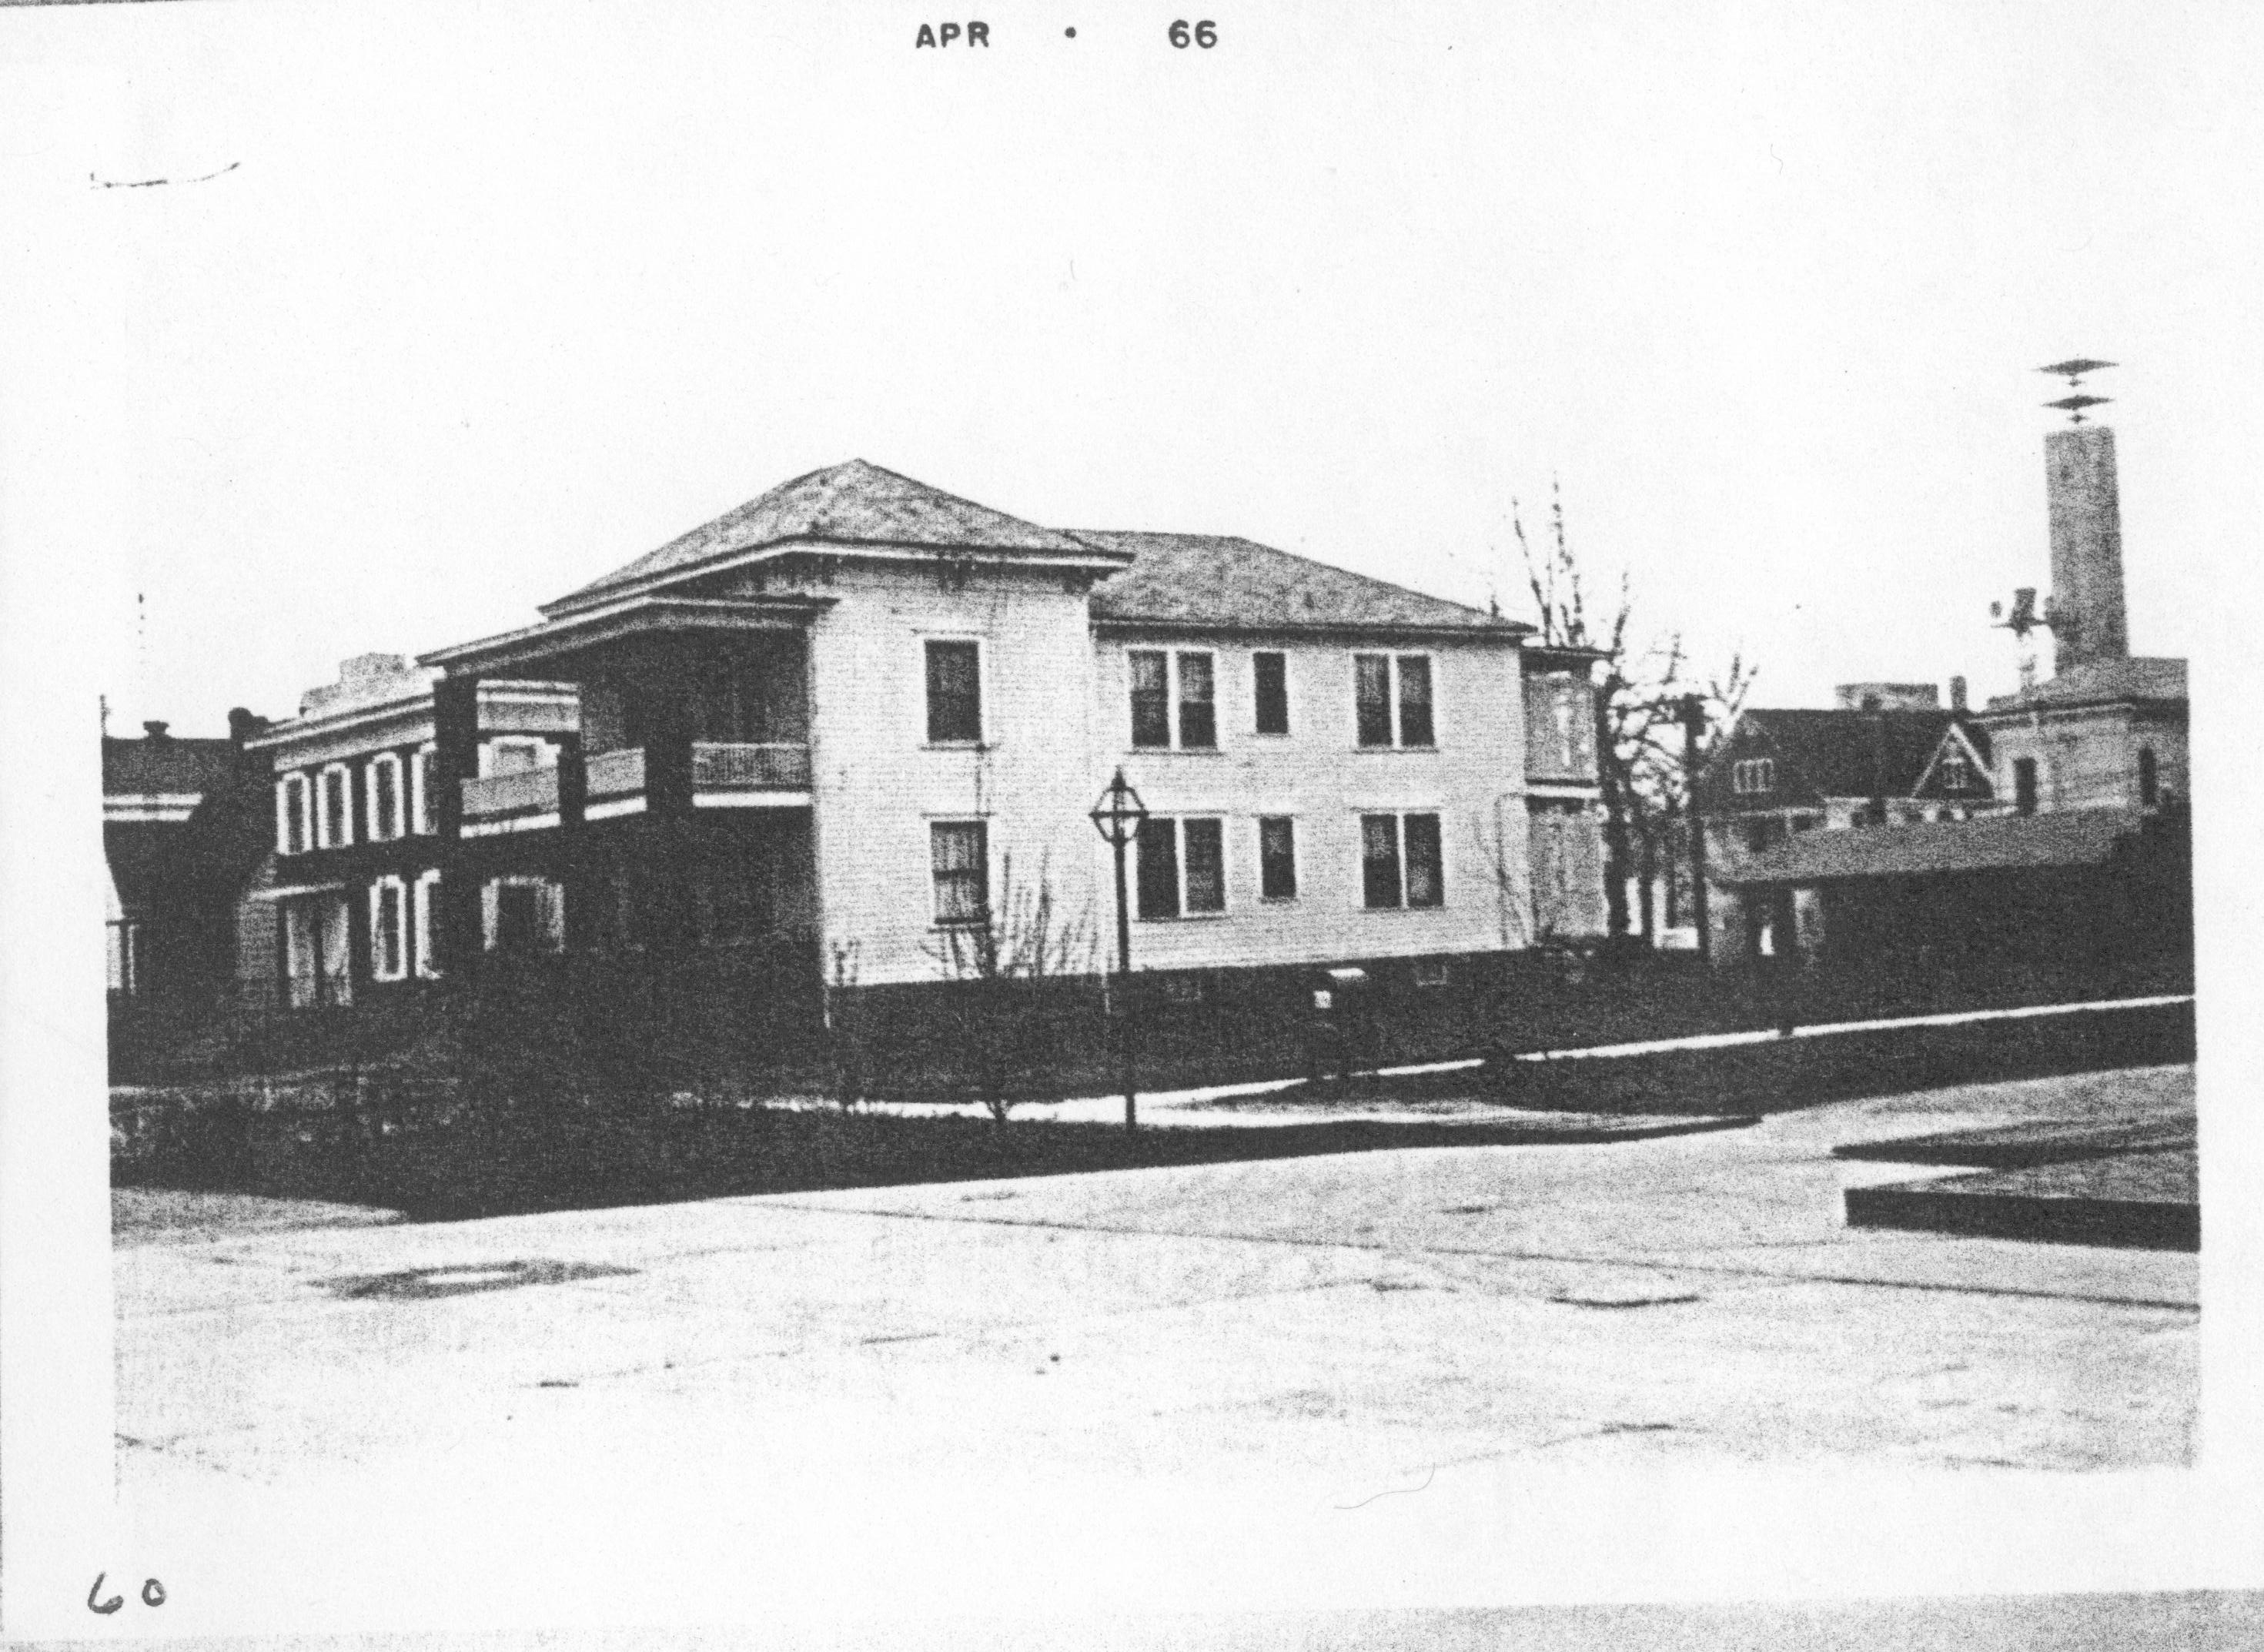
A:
2087, 547
156, 730
244, 725
1958, 693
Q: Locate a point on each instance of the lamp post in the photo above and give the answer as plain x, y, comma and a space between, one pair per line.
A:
1117, 817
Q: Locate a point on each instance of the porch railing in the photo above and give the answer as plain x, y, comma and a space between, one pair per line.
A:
523, 791
717, 767
615, 774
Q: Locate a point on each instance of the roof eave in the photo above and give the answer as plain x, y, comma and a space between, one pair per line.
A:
1493, 631
569, 632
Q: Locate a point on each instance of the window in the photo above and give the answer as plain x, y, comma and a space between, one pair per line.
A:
523, 915
959, 858
422, 917
2149, 783
1204, 859
1277, 857
955, 694
1153, 699
1401, 862
388, 929
384, 809
1956, 773
2024, 786
334, 808
1198, 709
424, 803
1269, 675
1182, 866
515, 756
1375, 700
1751, 775
293, 816
1431, 971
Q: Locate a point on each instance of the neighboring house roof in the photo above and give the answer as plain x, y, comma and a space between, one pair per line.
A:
162, 766
1834, 754
2102, 682
1220, 582
855, 503
2067, 837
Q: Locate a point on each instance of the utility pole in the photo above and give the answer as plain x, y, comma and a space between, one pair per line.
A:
1692, 710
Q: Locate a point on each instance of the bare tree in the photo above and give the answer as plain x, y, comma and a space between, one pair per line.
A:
1640, 760
1011, 960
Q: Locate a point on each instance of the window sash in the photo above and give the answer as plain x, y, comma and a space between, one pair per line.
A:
1151, 698
1427, 883
1198, 709
334, 809
388, 929
1270, 682
955, 694
1372, 697
1203, 857
384, 822
423, 802
1379, 860
1415, 699
959, 865
1159, 844
424, 900
1277, 857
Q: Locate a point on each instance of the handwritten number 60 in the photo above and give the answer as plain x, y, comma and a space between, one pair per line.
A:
1205, 35
153, 1594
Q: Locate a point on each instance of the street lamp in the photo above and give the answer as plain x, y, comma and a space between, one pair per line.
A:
1117, 817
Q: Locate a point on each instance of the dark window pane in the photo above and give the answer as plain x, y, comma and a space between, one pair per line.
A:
1426, 884
1379, 858
1277, 857
2149, 784
1271, 674
1414, 700
1205, 865
2024, 784
1372, 699
1198, 716
958, 852
1159, 867
954, 692
1151, 699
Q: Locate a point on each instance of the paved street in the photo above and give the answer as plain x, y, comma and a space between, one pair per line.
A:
1369, 1314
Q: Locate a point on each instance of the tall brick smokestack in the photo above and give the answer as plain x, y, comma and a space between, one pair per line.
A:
2087, 547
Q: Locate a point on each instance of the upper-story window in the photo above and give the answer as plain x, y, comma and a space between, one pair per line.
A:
1956, 773
1174, 700
955, 694
1269, 676
384, 813
334, 808
1750, 775
515, 755
1391, 696
2024, 786
1560, 726
424, 797
294, 815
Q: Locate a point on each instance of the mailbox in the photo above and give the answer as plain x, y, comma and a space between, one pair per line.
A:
1337, 1028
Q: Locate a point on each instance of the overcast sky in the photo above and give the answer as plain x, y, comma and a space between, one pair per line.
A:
491, 300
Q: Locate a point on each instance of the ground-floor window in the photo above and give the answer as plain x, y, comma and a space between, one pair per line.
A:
126, 973
959, 863
1182, 866
1402, 861
316, 948
388, 929
524, 916
1277, 857
424, 919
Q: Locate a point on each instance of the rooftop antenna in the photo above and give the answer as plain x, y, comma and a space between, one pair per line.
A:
2073, 370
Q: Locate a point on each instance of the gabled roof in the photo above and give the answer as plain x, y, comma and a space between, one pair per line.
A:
1838, 753
1213, 582
164, 764
2067, 837
855, 504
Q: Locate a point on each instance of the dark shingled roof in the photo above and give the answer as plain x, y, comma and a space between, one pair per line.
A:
1832, 753
139, 767
1208, 580
2067, 837
855, 503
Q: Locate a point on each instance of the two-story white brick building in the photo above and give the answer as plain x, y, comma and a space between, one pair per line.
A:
857, 717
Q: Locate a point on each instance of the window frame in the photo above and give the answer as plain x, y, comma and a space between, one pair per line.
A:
981, 872
928, 701
330, 834
2150, 779
424, 917
1395, 700
290, 816
1175, 835
1258, 698
390, 890
1175, 699
1403, 860
385, 762
2027, 785
1761, 771
423, 802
